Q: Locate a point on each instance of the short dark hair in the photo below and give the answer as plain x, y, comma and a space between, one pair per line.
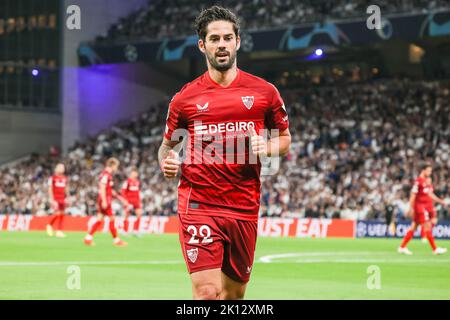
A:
215, 13
425, 164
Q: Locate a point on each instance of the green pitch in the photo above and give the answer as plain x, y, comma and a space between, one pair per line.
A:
33, 266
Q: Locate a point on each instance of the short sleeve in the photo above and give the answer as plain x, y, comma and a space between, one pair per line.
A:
125, 185
276, 117
174, 119
415, 188
104, 179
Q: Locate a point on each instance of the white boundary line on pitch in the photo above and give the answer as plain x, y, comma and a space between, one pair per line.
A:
270, 258
338, 257
398, 261
63, 263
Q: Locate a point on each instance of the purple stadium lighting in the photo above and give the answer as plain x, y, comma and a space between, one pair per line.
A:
316, 54
35, 72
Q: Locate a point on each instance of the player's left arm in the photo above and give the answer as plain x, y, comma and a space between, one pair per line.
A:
124, 189
437, 199
276, 121
119, 197
278, 144
67, 193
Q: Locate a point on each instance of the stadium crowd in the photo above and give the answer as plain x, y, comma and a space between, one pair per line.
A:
355, 153
356, 149
162, 18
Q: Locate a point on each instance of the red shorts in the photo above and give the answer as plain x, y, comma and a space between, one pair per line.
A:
135, 204
214, 242
423, 212
107, 211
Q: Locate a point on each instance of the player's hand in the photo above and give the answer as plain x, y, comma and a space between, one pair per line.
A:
259, 145
54, 204
123, 200
410, 213
104, 204
170, 165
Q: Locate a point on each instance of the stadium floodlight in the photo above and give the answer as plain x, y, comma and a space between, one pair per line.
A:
315, 54
35, 72
318, 52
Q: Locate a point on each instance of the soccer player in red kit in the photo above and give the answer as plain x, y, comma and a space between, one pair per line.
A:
57, 189
422, 209
219, 188
433, 221
132, 193
104, 202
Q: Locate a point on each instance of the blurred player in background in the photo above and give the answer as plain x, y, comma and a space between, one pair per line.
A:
131, 192
390, 221
422, 209
218, 201
433, 221
104, 202
57, 190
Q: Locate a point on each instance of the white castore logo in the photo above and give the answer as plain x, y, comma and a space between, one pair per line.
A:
202, 108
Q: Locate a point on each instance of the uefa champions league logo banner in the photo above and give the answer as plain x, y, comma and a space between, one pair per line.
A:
408, 27
377, 229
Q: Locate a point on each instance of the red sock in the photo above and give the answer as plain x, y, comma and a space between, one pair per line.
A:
422, 232
125, 224
407, 238
430, 238
112, 229
53, 219
94, 227
137, 223
60, 222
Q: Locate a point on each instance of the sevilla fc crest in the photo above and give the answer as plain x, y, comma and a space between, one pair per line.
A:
192, 254
248, 101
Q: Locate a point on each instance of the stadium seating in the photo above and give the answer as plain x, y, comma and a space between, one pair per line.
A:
162, 18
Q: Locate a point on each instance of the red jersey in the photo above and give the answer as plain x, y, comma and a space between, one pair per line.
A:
217, 178
131, 190
106, 179
58, 184
423, 188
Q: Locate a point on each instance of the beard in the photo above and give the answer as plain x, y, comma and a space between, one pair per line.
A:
221, 66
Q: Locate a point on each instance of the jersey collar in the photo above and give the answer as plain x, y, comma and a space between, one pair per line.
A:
232, 84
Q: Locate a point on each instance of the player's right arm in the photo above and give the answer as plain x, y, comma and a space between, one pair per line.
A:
412, 199
167, 157
124, 189
50, 191
102, 191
